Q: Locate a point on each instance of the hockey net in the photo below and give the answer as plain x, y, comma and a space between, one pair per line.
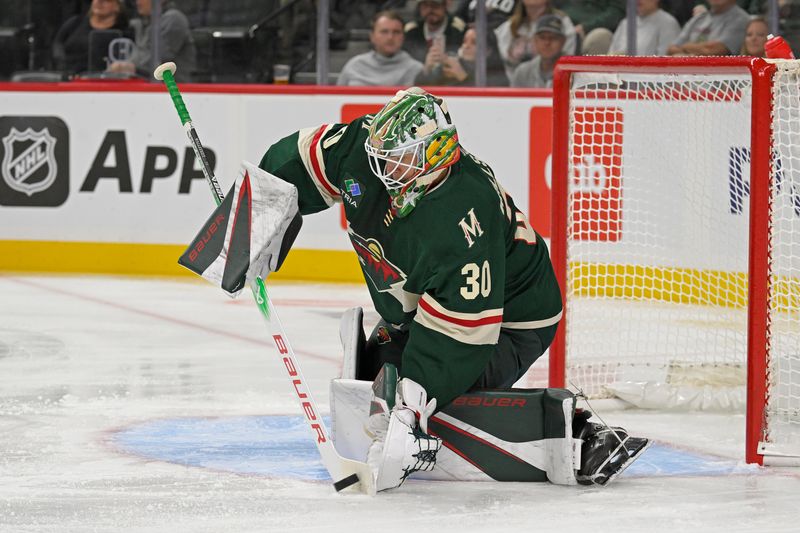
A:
676, 237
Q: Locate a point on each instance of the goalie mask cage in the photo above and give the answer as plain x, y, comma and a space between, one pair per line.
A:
676, 237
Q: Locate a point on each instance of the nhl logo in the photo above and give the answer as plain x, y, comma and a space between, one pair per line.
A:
29, 162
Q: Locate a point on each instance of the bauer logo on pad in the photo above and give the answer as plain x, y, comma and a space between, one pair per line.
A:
34, 161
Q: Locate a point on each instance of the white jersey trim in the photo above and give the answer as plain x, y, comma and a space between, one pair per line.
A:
469, 328
309, 145
533, 324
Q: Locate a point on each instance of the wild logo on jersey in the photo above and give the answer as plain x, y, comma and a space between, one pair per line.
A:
380, 271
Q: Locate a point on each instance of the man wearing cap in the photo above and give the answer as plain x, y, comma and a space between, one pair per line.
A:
548, 41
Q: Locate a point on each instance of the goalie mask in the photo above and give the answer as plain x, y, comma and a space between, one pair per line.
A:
411, 141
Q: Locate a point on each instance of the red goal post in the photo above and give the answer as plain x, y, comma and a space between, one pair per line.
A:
667, 283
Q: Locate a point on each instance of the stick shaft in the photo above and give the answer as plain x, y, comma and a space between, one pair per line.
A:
200, 154
175, 94
194, 139
340, 469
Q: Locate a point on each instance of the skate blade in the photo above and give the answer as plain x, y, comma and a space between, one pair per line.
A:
637, 453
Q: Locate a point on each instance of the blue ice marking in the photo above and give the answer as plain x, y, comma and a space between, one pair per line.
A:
662, 460
282, 446
277, 446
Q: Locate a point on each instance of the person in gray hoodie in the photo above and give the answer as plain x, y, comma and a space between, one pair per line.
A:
175, 42
387, 63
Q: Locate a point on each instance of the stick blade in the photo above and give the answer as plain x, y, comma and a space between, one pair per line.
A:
353, 474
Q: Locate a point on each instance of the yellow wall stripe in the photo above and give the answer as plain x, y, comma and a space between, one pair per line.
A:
676, 285
665, 284
160, 260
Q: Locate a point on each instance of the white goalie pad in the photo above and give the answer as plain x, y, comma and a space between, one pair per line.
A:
401, 449
351, 333
245, 236
350, 399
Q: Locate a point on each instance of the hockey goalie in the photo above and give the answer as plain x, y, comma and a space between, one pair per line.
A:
464, 287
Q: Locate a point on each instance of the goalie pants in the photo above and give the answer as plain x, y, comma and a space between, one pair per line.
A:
516, 350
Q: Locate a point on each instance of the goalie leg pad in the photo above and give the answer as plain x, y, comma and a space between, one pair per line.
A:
351, 333
398, 424
406, 449
484, 434
513, 434
384, 391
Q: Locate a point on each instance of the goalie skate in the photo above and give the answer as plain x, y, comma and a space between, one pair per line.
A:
606, 452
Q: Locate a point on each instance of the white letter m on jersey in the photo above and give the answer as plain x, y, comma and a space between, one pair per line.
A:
472, 230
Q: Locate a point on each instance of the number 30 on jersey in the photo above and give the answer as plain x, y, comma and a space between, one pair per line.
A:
478, 280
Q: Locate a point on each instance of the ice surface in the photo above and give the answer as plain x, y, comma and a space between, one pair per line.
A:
159, 405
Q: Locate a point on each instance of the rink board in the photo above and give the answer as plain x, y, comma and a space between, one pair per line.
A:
127, 194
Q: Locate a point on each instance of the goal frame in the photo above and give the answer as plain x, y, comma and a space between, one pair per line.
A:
761, 73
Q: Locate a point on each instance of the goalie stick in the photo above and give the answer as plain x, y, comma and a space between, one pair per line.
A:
344, 472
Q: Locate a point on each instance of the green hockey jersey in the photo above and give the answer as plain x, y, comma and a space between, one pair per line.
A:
464, 263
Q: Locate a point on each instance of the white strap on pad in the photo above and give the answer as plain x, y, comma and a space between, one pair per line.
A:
413, 396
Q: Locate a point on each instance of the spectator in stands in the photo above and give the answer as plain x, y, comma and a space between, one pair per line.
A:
682, 10
789, 19
515, 36
459, 69
549, 42
175, 42
595, 21
655, 31
387, 64
71, 43
717, 32
755, 37
497, 11
754, 7
434, 28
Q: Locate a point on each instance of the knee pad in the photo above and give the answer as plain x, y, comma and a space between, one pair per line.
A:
351, 333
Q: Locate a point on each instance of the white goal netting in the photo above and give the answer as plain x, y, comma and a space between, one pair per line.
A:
657, 242
783, 349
